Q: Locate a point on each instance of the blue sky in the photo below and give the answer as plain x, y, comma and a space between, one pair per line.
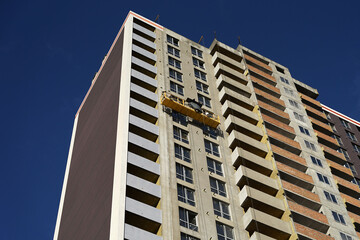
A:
50, 51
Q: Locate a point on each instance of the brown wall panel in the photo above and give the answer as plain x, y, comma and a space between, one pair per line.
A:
87, 205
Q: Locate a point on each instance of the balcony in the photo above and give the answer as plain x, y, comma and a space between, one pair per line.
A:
308, 100
250, 197
289, 159
355, 218
302, 196
274, 112
309, 218
247, 177
242, 157
228, 94
229, 72
237, 139
279, 127
262, 75
270, 89
259, 236
143, 128
320, 126
230, 62
233, 85
134, 233
244, 127
142, 190
284, 142
347, 187
295, 177
352, 204
305, 89
326, 140
340, 170
269, 99
143, 111
150, 35
319, 115
143, 167
144, 43
333, 155
143, 80
255, 220
309, 233
240, 112
257, 62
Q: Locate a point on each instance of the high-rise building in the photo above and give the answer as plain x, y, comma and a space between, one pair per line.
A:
175, 140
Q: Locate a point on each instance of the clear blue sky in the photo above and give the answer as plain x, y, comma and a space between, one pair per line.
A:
50, 51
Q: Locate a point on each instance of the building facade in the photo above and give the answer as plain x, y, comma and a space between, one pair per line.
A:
178, 141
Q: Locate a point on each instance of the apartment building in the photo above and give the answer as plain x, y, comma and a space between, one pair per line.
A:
175, 140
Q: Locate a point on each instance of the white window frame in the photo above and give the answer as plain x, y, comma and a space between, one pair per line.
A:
188, 219
186, 195
330, 197
284, 80
176, 88
218, 187
316, 161
345, 236
184, 173
175, 75
214, 166
310, 145
294, 104
174, 62
181, 152
338, 217
198, 63
212, 148
226, 231
173, 51
196, 52
204, 100
172, 40
304, 130
323, 178
202, 87
181, 134
299, 117
221, 209
200, 74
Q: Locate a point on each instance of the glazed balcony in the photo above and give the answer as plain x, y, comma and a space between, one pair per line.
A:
237, 139
269, 99
274, 112
301, 196
251, 197
242, 157
240, 112
326, 140
289, 158
244, 127
279, 127
262, 75
340, 170
270, 89
247, 177
255, 220
309, 233
284, 142
257, 62
295, 177
308, 217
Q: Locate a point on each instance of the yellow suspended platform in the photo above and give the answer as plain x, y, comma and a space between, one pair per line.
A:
178, 105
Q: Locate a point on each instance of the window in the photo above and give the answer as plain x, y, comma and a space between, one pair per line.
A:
333, 127
179, 118
293, 103
224, 232
186, 195
188, 219
175, 63
204, 100
289, 91
345, 124
351, 136
304, 130
175, 75
182, 153
330, 197
172, 40
212, 148
221, 209
184, 173
200, 74
323, 178
214, 166
316, 161
217, 187
310, 145
338, 139
344, 152
187, 237
284, 80
196, 52
210, 132
345, 236
198, 63
202, 87
176, 88
299, 117
356, 148
338, 217
181, 135
328, 116
173, 51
